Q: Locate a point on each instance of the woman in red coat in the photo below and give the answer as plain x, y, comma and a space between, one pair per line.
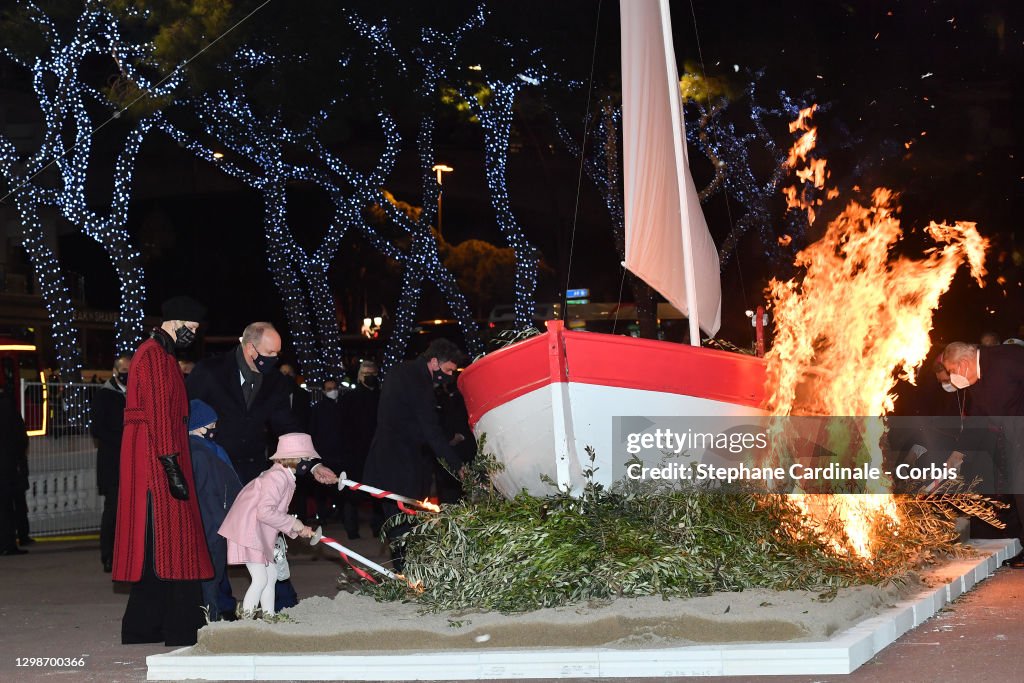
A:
160, 546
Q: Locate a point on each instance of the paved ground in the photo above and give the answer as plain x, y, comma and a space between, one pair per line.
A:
57, 602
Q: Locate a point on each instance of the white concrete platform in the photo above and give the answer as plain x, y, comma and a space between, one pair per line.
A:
841, 654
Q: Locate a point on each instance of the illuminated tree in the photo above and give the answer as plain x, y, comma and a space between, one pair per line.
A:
756, 188
428, 58
254, 153
55, 52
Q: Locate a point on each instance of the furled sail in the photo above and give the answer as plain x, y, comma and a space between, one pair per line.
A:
667, 240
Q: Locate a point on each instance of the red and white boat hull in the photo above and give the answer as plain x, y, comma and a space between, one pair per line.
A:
543, 401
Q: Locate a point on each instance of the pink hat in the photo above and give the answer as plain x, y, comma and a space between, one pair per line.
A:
295, 445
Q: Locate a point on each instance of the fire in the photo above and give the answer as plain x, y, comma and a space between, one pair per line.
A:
855, 513
859, 315
427, 505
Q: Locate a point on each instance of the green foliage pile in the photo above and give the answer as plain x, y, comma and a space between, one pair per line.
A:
640, 539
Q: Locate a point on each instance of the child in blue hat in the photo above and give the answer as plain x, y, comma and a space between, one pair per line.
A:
217, 485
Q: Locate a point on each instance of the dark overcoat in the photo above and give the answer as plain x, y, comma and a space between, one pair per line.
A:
329, 427
999, 395
155, 425
107, 428
217, 486
360, 409
409, 436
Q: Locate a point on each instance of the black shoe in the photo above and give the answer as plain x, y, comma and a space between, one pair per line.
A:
108, 566
28, 540
13, 551
1016, 562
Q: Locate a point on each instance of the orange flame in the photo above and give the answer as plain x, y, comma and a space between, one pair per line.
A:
427, 505
814, 173
859, 314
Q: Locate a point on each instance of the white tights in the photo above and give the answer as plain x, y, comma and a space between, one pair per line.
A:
261, 590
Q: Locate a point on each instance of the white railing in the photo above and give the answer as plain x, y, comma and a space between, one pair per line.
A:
63, 496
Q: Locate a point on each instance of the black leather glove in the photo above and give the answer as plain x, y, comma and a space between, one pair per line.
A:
175, 478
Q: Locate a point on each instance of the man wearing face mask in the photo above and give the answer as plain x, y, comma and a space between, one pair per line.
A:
106, 428
409, 437
252, 401
995, 375
159, 543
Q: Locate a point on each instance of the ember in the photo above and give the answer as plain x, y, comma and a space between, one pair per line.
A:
858, 315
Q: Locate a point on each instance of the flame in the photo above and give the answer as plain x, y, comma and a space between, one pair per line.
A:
427, 505
814, 174
855, 513
859, 315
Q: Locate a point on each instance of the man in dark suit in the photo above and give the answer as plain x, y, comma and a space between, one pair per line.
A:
996, 377
409, 435
107, 428
252, 401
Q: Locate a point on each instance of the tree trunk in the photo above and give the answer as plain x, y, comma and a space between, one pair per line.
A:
55, 294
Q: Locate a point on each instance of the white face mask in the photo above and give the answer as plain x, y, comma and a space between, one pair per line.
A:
332, 394
946, 386
958, 381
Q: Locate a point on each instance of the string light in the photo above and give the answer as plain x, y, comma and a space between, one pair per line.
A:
434, 55
229, 120
63, 98
249, 148
730, 149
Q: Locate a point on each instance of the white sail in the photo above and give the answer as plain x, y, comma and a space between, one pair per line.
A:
667, 240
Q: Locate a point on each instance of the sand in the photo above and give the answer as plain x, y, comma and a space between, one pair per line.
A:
357, 624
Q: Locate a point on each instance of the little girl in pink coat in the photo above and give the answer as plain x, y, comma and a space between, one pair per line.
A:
259, 512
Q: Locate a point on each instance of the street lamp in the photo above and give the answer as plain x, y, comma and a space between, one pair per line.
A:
440, 168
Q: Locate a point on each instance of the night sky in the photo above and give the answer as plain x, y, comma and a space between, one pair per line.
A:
941, 77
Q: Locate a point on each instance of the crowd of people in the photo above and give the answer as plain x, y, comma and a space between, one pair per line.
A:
212, 464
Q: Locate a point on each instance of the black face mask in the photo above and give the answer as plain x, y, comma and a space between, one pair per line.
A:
371, 382
183, 337
264, 363
210, 433
440, 377
122, 377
